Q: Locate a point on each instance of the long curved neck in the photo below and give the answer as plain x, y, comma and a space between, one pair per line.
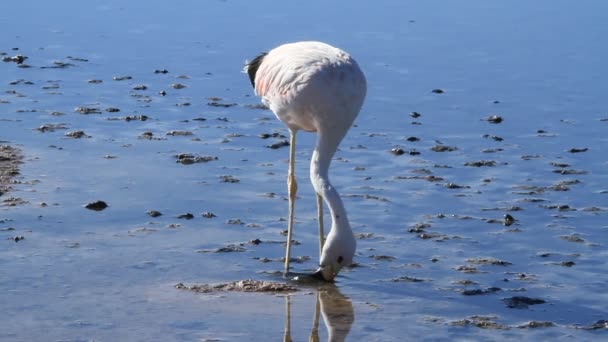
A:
319, 167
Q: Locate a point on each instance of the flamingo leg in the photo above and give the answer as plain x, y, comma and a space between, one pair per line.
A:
292, 188
320, 219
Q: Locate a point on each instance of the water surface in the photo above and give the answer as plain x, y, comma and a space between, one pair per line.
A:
434, 259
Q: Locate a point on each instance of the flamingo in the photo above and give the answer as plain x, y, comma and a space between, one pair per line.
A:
314, 87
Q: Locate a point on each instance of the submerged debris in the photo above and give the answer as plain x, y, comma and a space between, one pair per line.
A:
572, 238
51, 127
483, 322
121, 78
443, 148
154, 213
19, 59
225, 249
397, 151
87, 110
481, 163
475, 292
17, 238
521, 302
229, 179
536, 324
271, 135
257, 106
186, 216
279, 144
77, 134
467, 269
488, 261
180, 133
187, 158
221, 105
407, 279
456, 186
383, 257
58, 65
601, 324
578, 150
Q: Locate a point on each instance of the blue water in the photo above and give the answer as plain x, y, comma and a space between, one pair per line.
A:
110, 275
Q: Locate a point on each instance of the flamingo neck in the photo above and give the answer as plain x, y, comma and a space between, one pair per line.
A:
319, 167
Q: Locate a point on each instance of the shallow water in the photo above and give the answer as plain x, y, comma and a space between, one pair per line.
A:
110, 275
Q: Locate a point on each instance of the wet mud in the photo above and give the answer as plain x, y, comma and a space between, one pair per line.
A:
248, 285
10, 159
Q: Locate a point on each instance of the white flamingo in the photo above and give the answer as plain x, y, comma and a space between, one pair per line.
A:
314, 87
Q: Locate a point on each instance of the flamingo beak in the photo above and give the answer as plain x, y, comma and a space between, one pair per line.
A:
324, 273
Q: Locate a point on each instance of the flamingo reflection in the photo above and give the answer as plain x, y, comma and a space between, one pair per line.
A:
335, 308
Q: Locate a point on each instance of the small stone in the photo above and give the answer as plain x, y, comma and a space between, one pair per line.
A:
443, 148
76, 134
235, 222
508, 220
186, 216
397, 151
154, 213
537, 324
208, 214
229, 179
578, 150
438, 91
87, 110
495, 119
481, 163
521, 302
121, 78
475, 292
97, 205
278, 144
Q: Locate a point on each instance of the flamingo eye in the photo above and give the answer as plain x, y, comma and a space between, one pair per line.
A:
340, 259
